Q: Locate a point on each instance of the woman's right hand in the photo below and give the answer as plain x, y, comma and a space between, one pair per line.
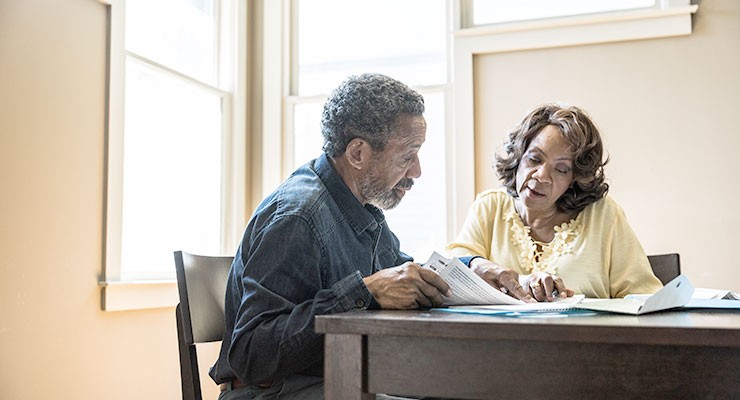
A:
502, 278
546, 287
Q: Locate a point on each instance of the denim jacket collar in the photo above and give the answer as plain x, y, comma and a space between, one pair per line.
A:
360, 218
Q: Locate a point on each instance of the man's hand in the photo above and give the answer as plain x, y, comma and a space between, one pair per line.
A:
407, 286
503, 279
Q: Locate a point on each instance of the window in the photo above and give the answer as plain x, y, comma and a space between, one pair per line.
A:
486, 12
171, 134
177, 85
338, 38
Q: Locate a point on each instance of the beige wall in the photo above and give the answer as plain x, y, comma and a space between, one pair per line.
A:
668, 110
55, 343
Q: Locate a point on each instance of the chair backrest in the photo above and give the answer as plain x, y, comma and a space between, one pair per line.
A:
665, 266
201, 284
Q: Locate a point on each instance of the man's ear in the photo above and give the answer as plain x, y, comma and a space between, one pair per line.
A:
358, 153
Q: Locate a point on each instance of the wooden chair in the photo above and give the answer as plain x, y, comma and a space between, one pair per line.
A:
665, 266
201, 284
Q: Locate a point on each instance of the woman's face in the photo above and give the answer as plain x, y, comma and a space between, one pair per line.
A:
545, 171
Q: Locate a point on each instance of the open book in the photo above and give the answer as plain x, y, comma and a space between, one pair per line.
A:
470, 289
674, 294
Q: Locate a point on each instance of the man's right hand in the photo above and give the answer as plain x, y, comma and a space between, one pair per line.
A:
406, 287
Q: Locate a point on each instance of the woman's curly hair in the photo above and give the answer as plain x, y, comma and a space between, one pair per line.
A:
585, 141
366, 106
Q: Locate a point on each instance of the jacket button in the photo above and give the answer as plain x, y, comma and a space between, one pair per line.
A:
360, 303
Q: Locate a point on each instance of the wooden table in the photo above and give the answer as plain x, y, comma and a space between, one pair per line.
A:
671, 355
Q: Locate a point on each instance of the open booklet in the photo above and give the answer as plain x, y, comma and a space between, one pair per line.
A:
468, 289
674, 294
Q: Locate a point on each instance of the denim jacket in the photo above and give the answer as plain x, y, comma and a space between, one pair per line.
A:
304, 253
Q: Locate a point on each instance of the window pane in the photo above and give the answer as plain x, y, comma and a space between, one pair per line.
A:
179, 34
403, 39
172, 172
307, 138
420, 220
498, 11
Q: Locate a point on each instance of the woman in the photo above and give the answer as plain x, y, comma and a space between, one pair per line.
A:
552, 219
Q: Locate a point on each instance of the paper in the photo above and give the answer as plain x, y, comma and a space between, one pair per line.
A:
469, 289
466, 286
703, 293
704, 298
712, 303
674, 294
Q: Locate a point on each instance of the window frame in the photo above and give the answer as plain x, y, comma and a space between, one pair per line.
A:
118, 294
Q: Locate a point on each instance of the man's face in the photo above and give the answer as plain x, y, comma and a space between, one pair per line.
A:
393, 170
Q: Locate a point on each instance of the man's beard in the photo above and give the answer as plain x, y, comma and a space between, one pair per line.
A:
372, 190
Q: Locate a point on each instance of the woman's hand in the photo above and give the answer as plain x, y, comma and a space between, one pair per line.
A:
502, 278
546, 287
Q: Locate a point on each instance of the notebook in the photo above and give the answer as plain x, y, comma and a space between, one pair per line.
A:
558, 306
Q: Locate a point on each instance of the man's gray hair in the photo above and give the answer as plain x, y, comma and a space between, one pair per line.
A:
366, 106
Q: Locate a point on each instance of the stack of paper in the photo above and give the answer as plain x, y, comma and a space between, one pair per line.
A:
472, 295
466, 286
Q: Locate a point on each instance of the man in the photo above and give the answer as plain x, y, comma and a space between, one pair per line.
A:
320, 245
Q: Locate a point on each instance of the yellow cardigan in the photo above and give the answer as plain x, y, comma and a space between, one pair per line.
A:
596, 254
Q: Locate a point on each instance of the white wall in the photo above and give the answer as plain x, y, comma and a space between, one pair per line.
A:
668, 111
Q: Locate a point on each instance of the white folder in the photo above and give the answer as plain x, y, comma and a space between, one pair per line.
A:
674, 294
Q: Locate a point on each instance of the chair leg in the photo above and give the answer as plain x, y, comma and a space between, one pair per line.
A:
189, 378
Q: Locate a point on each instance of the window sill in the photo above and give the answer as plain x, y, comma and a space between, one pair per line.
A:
138, 295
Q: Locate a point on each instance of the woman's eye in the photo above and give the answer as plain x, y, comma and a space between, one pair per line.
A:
562, 170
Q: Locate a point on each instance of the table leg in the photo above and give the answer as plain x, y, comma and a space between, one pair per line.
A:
345, 368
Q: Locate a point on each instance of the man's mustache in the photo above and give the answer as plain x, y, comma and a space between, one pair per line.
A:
405, 184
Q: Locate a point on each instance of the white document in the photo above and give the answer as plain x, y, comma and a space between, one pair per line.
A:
714, 298
676, 293
467, 287
705, 298
703, 293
